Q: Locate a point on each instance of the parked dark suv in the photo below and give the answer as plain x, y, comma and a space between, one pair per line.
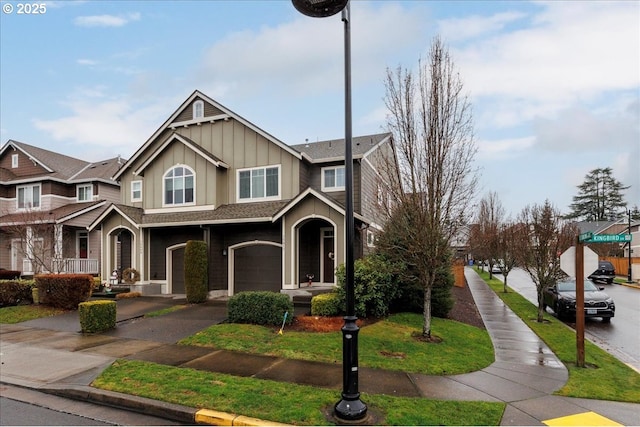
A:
605, 273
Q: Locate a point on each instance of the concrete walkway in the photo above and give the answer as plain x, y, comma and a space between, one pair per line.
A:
50, 355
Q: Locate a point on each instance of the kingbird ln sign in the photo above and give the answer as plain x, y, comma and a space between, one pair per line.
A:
589, 237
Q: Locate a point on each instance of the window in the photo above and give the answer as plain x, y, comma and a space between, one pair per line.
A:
371, 239
136, 191
259, 184
14, 161
85, 192
29, 196
178, 186
333, 178
198, 109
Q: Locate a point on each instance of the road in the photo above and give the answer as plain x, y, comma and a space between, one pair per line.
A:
620, 337
25, 407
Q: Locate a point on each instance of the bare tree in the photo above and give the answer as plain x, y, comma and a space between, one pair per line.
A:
490, 218
40, 239
543, 236
431, 122
507, 249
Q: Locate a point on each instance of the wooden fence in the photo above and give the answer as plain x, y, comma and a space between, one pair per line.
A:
621, 265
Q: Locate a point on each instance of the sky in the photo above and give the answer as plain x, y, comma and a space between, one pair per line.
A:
554, 86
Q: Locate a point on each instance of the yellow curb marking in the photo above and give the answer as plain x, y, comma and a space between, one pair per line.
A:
584, 419
217, 418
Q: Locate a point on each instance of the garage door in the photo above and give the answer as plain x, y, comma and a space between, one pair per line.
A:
257, 268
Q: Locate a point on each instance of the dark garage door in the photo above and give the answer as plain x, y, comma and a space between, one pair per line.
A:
258, 268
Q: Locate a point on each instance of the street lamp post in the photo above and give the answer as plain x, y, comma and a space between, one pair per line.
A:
629, 249
350, 407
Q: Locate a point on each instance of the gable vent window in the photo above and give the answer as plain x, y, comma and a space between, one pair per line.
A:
259, 184
85, 193
179, 185
198, 110
14, 161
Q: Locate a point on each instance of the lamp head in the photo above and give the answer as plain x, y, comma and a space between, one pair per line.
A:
319, 8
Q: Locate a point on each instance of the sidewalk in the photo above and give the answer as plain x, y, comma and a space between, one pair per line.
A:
50, 355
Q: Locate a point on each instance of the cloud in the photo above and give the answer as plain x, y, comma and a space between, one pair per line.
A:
99, 120
304, 57
457, 29
106, 20
89, 62
500, 149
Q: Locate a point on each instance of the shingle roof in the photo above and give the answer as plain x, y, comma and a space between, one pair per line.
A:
334, 149
64, 167
47, 216
224, 213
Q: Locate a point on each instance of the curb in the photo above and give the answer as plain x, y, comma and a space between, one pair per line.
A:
146, 406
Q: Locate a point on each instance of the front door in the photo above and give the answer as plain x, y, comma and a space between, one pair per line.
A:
328, 255
83, 244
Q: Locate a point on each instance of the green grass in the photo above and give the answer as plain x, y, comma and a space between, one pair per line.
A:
604, 377
22, 313
164, 311
387, 344
281, 402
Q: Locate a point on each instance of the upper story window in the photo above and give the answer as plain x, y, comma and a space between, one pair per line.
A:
14, 161
179, 184
257, 184
198, 109
29, 197
333, 178
136, 191
85, 192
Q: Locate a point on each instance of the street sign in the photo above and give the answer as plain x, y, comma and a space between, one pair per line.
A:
609, 238
568, 261
586, 236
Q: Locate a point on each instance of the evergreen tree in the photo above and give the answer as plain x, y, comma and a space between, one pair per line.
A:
600, 198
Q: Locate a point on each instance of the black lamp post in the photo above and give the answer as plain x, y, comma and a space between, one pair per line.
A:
350, 407
629, 249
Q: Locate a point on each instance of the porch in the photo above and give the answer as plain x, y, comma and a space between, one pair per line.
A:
66, 265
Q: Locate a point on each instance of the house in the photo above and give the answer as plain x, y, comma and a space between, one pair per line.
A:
272, 215
47, 200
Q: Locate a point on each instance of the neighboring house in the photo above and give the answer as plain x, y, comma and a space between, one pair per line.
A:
47, 200
272, 214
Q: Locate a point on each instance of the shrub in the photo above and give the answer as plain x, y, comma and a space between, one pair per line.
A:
125, 295
325, 304
195, 271
15, 292
411, 295
374, 286
97, 316
9, 274
64, 291
259, 307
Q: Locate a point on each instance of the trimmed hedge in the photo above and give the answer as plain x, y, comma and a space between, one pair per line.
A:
260, 308
326, 304
64, 291
15, 292
196, 281
97, 316
9, 274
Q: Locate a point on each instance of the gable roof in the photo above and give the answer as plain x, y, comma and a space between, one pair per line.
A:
59, 166
226, 115
310, 192
187, 142
223, 214
333, 150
